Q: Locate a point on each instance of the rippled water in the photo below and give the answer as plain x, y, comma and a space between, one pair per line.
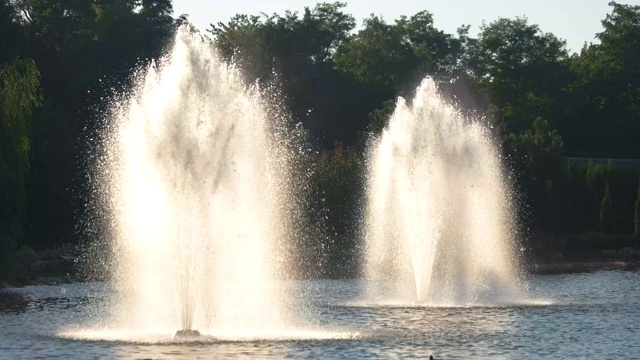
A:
592, 315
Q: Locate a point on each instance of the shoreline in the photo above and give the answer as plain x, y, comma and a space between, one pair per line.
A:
572, 267
541, 268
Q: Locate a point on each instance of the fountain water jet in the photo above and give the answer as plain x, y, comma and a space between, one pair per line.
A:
196, 178
438, 223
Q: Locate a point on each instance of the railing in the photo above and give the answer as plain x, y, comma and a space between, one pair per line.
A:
633, 164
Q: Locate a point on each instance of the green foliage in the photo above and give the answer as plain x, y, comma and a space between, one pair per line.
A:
606, 211
85, 51
19, 95
536, 157
396, 55
339, 180
15, 262
7, 258
49, 254
332, 78
543, 150
520, 69
379, 118
610, 244
623, 183
261, 43
296, 51
636, 213
578, 204
603, 121
60, 60
11, 34
377, 55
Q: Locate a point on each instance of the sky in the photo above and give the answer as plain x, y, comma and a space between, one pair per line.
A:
576, 21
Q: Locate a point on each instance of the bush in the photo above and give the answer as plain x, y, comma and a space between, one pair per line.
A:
636, 220
339, 182
7, 259
49, 254
606, 211
597, 241
580, 198
14, 264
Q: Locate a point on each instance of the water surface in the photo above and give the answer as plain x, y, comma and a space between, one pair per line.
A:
591, 315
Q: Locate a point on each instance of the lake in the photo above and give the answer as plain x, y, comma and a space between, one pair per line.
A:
588, 315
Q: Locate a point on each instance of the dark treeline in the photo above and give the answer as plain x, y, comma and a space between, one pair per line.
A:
61, 60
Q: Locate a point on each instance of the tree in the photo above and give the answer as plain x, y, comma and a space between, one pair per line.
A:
339, 181
379, 118
620, 49
384, 60
536, 155
606, 211
261, 44
397, 56
19, 95
297, 52
11, 34
520, 69
378, 55
86, 52
604, 121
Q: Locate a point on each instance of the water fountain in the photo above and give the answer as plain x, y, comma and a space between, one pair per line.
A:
438, 222
197, 181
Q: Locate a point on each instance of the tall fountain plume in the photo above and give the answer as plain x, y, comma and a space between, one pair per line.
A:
196, 181
439, 226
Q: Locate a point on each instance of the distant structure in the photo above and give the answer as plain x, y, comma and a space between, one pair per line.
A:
633, 164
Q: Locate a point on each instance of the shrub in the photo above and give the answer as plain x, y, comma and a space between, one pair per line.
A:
606, 211
7, 259
636, 220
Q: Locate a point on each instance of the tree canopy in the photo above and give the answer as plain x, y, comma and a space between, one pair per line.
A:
61, 61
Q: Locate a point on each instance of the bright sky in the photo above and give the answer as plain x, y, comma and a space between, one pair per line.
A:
576, 21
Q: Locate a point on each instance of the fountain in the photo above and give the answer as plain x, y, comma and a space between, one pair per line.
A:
196, 182
439, 220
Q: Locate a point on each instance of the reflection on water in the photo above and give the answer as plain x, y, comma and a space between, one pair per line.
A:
578, 316
216, 336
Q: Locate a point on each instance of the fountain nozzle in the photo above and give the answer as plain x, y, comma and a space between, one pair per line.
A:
186, 334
